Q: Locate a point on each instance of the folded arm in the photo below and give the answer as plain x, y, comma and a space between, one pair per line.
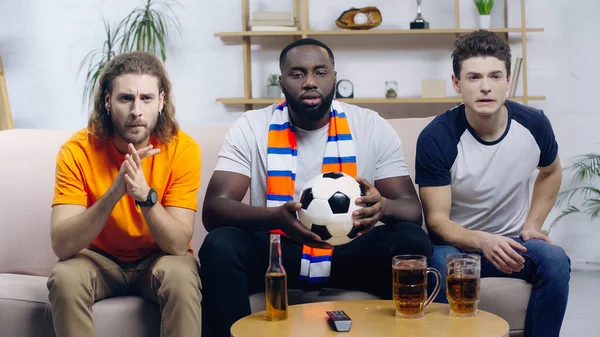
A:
73, 227
171, 227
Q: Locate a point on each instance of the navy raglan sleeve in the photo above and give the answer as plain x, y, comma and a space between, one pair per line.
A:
539, 125
434, 157
544, 136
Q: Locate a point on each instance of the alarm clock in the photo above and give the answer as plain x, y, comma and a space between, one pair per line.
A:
344, 89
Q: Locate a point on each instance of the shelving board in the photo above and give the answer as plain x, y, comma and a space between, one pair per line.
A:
372, 32
370, 100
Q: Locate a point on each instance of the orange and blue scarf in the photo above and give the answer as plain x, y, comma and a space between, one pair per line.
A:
282, 153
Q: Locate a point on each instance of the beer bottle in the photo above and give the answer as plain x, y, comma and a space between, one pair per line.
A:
276, 283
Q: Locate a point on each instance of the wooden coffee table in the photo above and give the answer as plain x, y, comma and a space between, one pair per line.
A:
370, 318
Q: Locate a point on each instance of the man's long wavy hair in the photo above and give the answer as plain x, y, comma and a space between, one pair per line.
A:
100, 123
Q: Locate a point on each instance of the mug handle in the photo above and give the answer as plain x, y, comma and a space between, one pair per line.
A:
438, 280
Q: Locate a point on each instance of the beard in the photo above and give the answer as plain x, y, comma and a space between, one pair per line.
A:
308, 112
135, 138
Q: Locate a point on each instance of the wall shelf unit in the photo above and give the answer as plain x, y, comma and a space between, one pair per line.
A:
371, 32
262, 101
6, 121
301, 17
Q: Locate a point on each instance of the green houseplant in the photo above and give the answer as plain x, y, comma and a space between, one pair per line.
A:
390, 93
484, 7
146, 28
273, 80
273, 89
586, 168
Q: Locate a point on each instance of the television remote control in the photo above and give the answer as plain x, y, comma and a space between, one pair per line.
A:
339, 321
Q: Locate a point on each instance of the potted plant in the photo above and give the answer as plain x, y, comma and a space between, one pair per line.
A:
484, 7
586, 169
391, 88
146, 29
273, 89
390, 93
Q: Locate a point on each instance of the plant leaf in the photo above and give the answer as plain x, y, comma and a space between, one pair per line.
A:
592, 207
484, 7
585, 191
570, 210
130, 28
585, 167
149, 35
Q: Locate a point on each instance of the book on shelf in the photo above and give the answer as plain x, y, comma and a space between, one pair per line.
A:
272, 28
286, 23
271, 16
514, 77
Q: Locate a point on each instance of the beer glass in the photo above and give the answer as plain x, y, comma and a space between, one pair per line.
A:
462, 283
409, 283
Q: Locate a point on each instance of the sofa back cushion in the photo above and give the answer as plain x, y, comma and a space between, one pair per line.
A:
26, 191
27, 185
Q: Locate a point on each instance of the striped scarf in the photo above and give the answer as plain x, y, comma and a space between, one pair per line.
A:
282, 154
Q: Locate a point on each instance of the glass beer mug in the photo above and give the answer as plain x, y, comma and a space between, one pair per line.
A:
409, 276
462, 283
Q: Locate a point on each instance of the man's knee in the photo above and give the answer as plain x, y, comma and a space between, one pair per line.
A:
409, 238
69, 280
222, 243
553, 260
178, 275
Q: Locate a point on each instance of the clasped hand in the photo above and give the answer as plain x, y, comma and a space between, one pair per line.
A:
130, 178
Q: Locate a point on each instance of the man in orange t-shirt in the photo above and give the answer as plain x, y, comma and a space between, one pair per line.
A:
124, 204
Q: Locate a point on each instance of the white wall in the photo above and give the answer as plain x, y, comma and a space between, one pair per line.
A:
42, 43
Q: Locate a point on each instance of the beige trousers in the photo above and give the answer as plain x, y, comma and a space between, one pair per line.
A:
171, 281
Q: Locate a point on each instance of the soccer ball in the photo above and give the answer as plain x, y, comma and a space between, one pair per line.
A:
328, 201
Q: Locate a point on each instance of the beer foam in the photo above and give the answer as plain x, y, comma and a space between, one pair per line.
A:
406, 265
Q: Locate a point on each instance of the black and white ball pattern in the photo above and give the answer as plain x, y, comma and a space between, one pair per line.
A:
328, 201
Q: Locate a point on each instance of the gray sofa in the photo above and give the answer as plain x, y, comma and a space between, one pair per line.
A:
26, 257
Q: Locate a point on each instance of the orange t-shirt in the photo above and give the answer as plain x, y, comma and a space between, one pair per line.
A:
87, 166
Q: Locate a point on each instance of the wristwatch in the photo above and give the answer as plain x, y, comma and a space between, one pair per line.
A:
151, 199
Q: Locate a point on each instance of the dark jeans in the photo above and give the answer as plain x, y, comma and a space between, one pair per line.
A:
547, 267
233, 265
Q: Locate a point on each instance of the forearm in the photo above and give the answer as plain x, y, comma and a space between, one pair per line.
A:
545, 190
456, 235
221, 212
73, 234
171, 235
402, 210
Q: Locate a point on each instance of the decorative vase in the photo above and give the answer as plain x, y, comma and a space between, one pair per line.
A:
273, 91
485, 21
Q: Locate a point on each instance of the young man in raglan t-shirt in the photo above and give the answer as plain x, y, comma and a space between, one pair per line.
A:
473, 167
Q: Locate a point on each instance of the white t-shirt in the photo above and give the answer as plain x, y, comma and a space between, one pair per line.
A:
489, 180
378, 149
